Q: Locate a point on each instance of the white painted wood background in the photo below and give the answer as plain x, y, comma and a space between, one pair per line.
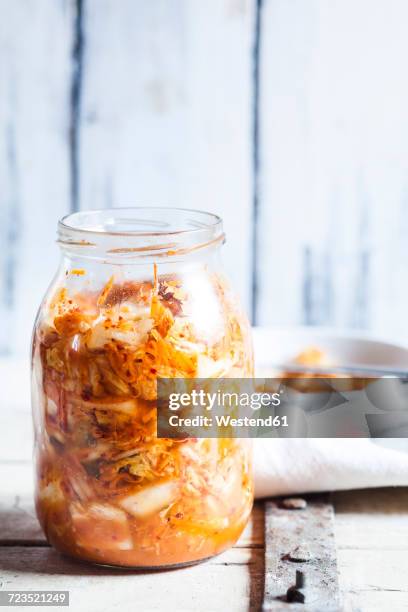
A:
287, 117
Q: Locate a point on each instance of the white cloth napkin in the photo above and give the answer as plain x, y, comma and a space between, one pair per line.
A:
287, 466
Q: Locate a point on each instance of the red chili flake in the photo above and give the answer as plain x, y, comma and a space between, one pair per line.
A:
86, 393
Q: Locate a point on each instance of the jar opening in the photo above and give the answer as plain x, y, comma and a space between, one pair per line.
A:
139, 231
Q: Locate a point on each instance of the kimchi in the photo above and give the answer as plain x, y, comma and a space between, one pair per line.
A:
108, 489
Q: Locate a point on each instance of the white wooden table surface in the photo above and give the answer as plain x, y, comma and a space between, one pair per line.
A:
371, 535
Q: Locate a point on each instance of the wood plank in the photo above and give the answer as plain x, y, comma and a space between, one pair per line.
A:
173, 126
253, 535
208, 586
367, 577
372, 519
333, 150
372, 545
16, 479
18, 523
366, 521
35, 51
301, 540
373, 601
16, 435
384, 501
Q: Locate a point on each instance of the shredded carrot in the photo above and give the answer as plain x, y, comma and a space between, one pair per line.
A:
156, 279
78, 271
105, 291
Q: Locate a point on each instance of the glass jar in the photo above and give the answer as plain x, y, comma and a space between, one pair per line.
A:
138, 295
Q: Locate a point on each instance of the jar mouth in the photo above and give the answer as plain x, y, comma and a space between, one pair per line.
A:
143, 231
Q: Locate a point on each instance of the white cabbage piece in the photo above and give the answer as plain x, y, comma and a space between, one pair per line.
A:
211, 368
79, 485
52, 408
131, 330
127, 406
93, 453
51, 493
150, 499
101, 526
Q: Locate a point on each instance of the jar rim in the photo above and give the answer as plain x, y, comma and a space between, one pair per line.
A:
112, 214
140, 231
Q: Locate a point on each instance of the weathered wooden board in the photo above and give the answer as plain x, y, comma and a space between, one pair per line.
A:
371, 529
147, 105
156, 103
35, 77
18, 523
300, 540
333, 164
223, 583
16, 479
376, 519
166, 112
371, 537
16, 435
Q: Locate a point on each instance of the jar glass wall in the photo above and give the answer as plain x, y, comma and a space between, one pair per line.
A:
138, 295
